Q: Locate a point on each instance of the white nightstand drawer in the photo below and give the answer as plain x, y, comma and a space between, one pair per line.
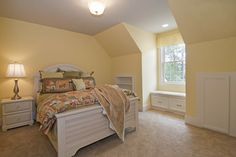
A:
17, 113
17, 118
17, 106
177, 104
159, 101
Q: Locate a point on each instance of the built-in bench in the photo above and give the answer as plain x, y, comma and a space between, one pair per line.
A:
168, 101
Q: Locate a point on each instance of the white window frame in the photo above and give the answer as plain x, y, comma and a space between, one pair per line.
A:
162, 69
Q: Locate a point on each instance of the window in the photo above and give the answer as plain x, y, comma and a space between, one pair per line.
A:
173, 64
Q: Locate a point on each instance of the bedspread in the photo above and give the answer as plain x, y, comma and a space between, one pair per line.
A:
51, 104
111, 98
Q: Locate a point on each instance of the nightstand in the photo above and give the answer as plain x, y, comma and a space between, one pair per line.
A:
17, 113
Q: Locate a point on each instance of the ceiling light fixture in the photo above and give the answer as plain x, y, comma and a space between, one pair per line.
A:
165, 25
96, 7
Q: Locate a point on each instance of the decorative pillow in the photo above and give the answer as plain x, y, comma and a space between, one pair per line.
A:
44, 75
53, 85
85, 74
72, 74
89, 82
79, 84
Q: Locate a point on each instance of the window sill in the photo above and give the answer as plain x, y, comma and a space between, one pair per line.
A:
170, 93
173, 83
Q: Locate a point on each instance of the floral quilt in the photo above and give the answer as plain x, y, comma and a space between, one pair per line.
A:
114, 101
50, 104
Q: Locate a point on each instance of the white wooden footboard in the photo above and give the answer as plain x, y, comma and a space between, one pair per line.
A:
79, 128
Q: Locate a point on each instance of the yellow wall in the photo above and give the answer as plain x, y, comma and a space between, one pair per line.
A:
149, 76
146, 42
129, 65
208, 29
38, 46
211, 56
133, 52
164, 39
124, 52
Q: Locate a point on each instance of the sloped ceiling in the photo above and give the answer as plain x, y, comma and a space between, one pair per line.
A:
145, 41
117, 41
204, 20
74, 15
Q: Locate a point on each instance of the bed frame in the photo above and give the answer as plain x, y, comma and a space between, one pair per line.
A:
78, 128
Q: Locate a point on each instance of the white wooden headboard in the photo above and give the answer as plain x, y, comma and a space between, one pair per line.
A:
53, 68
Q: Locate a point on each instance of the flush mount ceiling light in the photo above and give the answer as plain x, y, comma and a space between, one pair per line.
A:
96, 7
165, 25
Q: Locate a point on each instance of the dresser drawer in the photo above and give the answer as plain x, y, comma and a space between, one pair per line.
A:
17, 106
177, 104
159, 101
17, 118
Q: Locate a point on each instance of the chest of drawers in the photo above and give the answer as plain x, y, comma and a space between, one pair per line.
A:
16, 113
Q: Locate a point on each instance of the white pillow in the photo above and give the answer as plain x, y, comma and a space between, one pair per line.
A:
79, 84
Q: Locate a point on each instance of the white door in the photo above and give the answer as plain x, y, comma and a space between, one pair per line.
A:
216, 102
233, 105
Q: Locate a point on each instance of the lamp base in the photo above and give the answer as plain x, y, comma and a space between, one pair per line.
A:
16, 97
16, 91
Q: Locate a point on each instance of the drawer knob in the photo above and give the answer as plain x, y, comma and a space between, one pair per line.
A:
178, 105
159, 101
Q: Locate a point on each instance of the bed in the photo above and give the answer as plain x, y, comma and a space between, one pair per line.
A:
77, 128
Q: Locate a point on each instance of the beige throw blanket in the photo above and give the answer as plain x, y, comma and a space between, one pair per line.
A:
115, 104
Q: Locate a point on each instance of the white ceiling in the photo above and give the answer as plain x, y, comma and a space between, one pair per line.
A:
74, 15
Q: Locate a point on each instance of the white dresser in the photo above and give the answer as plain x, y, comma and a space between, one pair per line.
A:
168, 101
16, 113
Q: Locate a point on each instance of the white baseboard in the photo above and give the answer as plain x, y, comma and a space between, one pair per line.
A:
232, 134
146, 108
195, 121
217, 129
167, 110
158, 108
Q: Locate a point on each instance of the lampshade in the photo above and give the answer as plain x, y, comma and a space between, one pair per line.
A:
96, 7
15, 70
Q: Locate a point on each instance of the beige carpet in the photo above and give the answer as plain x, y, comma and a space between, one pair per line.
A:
160, 135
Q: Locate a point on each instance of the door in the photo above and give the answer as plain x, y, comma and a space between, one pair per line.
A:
216, 102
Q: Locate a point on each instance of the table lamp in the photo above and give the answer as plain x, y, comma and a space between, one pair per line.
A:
16, 71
